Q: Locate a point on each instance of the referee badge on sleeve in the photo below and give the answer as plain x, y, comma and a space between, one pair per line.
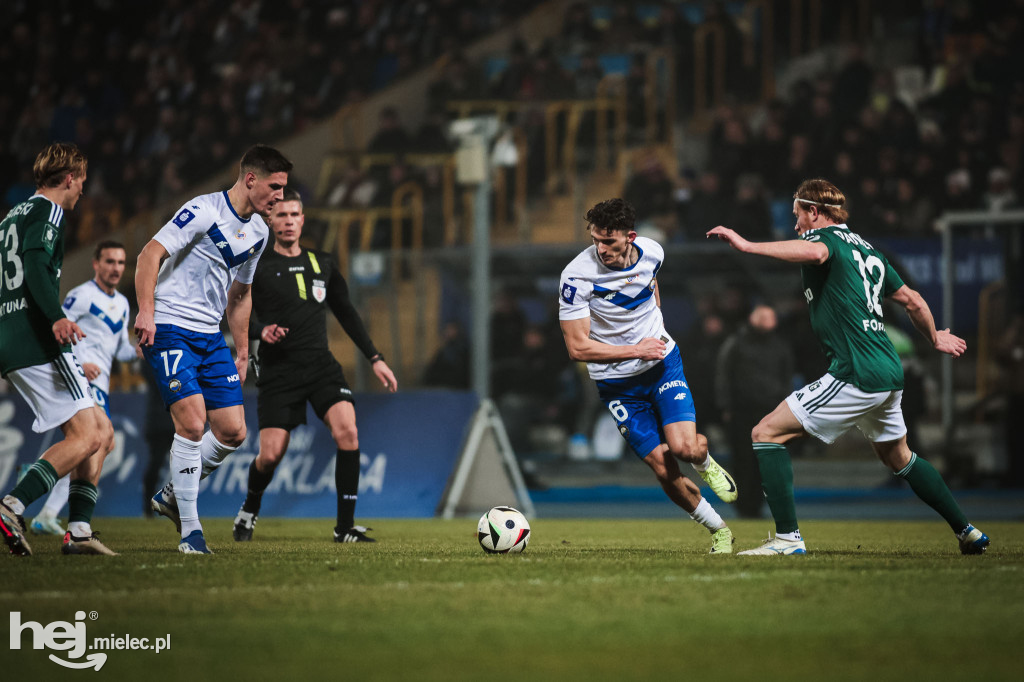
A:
319, 290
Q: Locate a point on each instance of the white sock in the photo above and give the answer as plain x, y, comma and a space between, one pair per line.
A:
706, 516
57, 499
213, 453
185, 472
80, 529
794, 536
14, 504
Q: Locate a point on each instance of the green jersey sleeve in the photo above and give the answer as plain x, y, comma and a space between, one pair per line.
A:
893, 281
40, 233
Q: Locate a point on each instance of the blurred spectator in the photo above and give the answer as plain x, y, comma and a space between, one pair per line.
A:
914, 213
546, 80
853, 82
706, 209
749, 213
539, 387
699, 352
355, 189
999, 196
958, 196
624, 30
391, 137
732, 150
651, 191
510, 83
432, 135
753, 374
449, 368
508, 326
457, 80
578, 32
1010, 355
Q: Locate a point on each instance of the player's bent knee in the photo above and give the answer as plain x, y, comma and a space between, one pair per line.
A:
690, 451
760, 433
233, 436
267, 460
346, 439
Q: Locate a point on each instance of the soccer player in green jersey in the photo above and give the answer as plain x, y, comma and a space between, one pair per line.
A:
36, 357
845, 279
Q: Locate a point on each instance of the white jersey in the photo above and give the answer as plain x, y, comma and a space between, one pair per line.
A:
620, 304
104, 319
210, 247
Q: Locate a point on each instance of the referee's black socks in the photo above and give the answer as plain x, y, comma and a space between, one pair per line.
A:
258, 482
346, 481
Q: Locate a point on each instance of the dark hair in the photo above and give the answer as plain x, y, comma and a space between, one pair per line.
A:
263, 161
826, 196
291, 194
106, 244
612, 214
54, 163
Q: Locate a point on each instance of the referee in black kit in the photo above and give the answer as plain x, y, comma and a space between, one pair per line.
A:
292, 290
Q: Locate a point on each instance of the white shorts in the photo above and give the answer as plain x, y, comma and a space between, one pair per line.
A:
56, 391
827, 408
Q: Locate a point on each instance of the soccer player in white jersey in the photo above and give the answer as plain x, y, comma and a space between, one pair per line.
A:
102, 313
610, 314
197, 267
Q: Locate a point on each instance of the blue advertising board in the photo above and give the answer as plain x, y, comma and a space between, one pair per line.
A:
976, 264
410, 444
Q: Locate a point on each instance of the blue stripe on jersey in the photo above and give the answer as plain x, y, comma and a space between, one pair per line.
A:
622, 300
98, 312
227, 200
231, 258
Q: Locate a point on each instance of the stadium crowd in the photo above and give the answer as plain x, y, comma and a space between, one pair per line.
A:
159, 97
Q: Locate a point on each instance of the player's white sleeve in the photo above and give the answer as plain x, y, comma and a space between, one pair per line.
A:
247, 270
183, 228
574, 298
125, 348
76, 305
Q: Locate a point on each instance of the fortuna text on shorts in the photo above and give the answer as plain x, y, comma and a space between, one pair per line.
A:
70, 637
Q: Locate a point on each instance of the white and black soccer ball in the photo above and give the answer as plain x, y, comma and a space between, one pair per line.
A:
503, 530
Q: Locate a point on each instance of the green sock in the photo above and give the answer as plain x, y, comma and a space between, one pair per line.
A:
81, 501
38, 481
777, 483
927, 484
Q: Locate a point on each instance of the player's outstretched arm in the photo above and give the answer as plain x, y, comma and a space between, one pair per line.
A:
582, 348
921, 315
791, 250
146, 269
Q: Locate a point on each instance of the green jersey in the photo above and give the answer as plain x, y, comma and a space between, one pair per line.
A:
844, 295
31, 256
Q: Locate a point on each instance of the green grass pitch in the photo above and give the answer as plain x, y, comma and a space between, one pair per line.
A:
589, 600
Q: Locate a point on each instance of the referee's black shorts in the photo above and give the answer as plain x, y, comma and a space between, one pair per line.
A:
284, 390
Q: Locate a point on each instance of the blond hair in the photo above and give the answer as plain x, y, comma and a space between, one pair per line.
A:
54, 163
825, 196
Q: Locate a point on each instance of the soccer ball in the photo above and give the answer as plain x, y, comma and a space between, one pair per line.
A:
503, 530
